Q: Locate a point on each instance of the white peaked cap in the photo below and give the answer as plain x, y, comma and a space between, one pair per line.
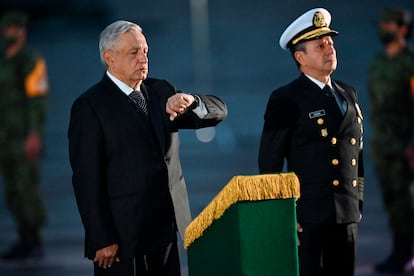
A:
311, 25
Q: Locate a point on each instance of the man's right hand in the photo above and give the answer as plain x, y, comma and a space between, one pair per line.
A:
178, 104
106, 256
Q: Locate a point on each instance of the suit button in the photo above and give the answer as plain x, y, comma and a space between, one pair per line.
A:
335, 182
324, 132
335, 162
353, 162
354, 183
353, 141
334, 140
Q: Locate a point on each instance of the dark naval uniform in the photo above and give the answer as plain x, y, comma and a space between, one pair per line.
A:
323, 147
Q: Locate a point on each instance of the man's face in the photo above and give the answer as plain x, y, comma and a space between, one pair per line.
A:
12, 35
319, 58
389, 31
128, 61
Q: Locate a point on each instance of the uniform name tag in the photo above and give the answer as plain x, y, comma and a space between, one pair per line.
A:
317, 114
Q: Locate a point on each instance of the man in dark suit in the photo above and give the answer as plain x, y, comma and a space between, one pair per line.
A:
315, 124
124, 153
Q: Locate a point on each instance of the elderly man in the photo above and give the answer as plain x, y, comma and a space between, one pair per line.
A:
123, 145
315, 124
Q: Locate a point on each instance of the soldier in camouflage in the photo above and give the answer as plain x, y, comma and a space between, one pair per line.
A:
23, 107
391, 91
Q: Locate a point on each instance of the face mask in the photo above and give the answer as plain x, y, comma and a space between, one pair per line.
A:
6, 42
386, 37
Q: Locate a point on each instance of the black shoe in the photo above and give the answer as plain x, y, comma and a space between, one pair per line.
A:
23, 252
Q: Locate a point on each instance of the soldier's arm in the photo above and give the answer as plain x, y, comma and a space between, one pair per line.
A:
36, 88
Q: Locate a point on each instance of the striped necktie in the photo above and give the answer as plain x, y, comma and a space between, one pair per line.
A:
139, 100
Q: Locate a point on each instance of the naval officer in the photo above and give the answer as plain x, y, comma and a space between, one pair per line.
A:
315, 124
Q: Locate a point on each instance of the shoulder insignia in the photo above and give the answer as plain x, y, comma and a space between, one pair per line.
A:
358, 109
36, 83
412, 84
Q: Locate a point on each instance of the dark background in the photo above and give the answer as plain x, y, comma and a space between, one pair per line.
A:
234, 54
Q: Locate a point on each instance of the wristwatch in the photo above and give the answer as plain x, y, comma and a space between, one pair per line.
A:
196, 102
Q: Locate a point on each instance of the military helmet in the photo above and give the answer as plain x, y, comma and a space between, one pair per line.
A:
14, 18
398, 15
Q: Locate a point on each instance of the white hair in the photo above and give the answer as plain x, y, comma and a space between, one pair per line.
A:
110, 34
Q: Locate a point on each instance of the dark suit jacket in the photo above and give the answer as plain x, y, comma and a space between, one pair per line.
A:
322, 146
126, 168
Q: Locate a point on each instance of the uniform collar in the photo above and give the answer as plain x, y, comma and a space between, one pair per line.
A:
318, 82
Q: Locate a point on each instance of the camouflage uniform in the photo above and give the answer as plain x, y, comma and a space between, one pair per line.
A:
23, 107
392, 116
391, 86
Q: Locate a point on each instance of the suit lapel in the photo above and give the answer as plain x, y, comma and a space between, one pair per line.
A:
114, 91
348, 100
312, 91
350, 111
155, 113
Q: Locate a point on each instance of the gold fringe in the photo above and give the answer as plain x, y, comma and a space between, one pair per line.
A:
242, 188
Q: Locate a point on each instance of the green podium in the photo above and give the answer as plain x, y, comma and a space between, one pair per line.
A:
249, 228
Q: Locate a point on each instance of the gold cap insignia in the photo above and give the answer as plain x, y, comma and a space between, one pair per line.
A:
319, 20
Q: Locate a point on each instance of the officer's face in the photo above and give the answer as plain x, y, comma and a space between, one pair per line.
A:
128, 61
319, 58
